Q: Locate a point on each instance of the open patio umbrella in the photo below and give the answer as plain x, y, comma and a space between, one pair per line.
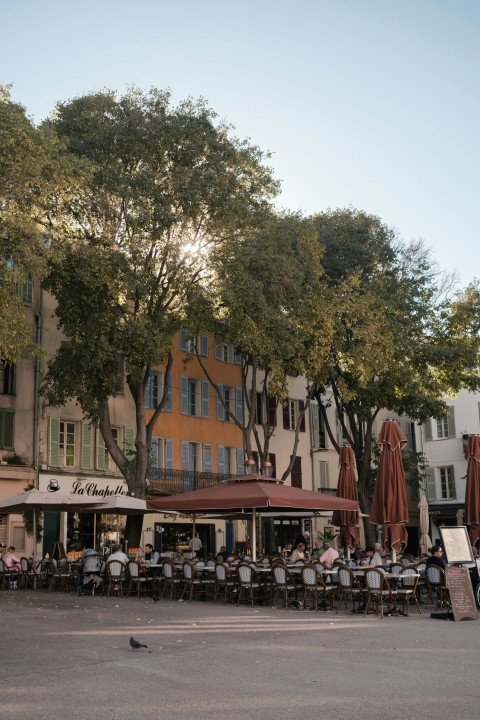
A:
389, 505
347, 520
425, 542
246, 493
42, 501
472, 490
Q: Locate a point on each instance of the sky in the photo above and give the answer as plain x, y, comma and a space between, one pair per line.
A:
369, 104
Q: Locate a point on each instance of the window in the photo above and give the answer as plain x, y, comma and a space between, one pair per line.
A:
232, 406
447, 483
442, 428
188, 343
319, 436
296, 473
25, 290
7, 378
67, 444
7, 418
227, 460
291, 412
324, 475
227, 352
194, 397
161, 455
154, 391
266, 416
62, 443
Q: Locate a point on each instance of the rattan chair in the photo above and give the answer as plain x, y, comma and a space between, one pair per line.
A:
247, 582
436, 585
283, 584
224, 582
116, 575
350, 588
192, 581
60, 577
379, 592
406, 587
137, 578
171, 578
313, 584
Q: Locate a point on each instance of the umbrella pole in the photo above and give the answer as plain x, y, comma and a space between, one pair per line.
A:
254, 535
193, 533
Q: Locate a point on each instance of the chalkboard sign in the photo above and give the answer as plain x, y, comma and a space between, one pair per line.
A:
461, 593
456, 544
59, 551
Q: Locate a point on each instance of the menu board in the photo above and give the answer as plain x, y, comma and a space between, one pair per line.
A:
456, 544
461, 593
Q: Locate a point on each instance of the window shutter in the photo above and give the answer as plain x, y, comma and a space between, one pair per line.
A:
296, 474
54, 442
324, 477
272, 411
207, 460
185, 455
238, 357
168, 454
100, 451
451, 421
239, 405
314, 419
240, 462
301, 409
427, 429
204, 345
155, 452
7, 422
221, 459
184, 395
286, 417
220, 408
205, 400
169, 403
129, 445
87, 442
218, 351
183, 340
431, 484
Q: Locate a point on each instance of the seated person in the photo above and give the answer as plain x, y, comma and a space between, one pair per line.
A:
150, 556
12, 562
117, 554
359, 553
318, 549
436, 557
298, 553
329, 555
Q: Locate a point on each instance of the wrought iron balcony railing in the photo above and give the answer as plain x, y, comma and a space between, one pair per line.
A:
168, 482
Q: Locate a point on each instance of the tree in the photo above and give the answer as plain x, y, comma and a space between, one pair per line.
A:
400, 341
132, 249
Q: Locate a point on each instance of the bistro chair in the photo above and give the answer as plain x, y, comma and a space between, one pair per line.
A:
378, 592
406, 588
350, 588
313, 583
395, 568
6, 575
171, 578
224, 582
436, 582
60, 578
284, 584
247, 582
116, 574
137, 577
27, 571
192, 582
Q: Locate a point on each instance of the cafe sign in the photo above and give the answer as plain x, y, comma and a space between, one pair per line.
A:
82, 486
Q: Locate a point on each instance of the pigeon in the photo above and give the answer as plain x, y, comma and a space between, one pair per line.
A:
136, 645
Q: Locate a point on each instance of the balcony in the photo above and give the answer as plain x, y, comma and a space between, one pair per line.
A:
168, 482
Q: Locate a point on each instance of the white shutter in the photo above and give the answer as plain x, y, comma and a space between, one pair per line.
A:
54, 441
87, 441
431, 484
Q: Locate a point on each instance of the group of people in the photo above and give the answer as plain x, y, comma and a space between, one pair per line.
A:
372, 555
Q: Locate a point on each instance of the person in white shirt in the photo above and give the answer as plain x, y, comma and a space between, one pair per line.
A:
196, 545
117, 554
330, 555
375, 555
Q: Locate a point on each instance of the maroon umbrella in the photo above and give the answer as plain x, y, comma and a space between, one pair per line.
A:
472, 490
347, 520
250, 492
389, 505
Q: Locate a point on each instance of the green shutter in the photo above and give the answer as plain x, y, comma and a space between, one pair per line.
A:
129, 434
100, 451
54, 442
87, 445
7, 422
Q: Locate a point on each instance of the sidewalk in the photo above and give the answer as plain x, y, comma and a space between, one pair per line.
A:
69, 657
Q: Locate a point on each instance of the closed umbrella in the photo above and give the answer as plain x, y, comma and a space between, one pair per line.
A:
347, 520
472, 490
425, 542
389, 505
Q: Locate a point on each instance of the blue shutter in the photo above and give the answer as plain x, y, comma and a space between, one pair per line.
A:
239, 404
221, 459
185, 455
220, 408
204, 345
205, 391
219, 351
169, 403
54, 442
240, 462
169, 454
155, 454
184, 395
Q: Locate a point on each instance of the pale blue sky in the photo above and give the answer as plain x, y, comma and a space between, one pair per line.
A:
373, 104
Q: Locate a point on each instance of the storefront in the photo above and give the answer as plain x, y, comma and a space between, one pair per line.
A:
86, 529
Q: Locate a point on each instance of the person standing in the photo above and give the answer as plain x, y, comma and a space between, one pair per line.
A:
196, 545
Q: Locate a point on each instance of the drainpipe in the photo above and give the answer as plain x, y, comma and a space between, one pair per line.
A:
36, 390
